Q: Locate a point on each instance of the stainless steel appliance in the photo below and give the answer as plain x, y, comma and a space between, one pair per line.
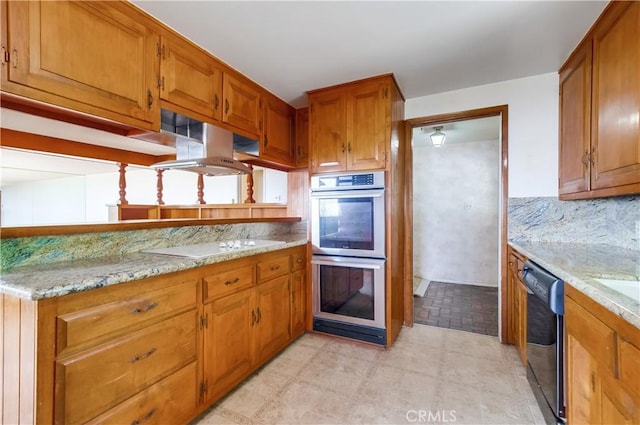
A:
348, 214
545, 340
348, 265
348, 297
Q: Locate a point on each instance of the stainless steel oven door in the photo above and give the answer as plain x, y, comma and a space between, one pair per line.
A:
349, 290
349, 222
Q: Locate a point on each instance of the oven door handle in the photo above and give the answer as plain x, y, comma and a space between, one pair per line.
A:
362, 265
377, 193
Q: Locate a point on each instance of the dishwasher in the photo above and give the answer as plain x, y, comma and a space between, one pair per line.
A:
545, 340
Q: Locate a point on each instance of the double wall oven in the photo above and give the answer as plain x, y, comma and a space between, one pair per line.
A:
348, 263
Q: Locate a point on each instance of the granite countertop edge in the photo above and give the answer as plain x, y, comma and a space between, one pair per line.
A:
59, 279
585, 282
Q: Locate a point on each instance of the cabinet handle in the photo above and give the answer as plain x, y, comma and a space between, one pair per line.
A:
226, 106
266, 140
14, 58
162, 83
299, 154
593, 382
274, 268
216, 102
145, 418
299, 260
145, 308
231, 282
293, 297
592, 157
585, 158
253, 317
4, 55
349, 146
143, 356
343, 148
149, 99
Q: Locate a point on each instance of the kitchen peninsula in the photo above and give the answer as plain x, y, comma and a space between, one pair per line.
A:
75, 302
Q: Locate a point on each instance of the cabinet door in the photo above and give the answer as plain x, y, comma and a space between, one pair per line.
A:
583, 387
302, 138
191, 79
327, 131
512, 299
272, 330
617, 405
242, 104
368, 125
278, 131
575, 119
93, 57
298, 299
227, 349
521, 343
616, 98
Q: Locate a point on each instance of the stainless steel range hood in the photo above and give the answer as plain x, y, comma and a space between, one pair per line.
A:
200, 147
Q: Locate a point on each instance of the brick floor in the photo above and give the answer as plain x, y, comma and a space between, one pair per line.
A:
464, 307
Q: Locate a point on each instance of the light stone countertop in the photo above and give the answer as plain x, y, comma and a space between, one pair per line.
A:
579, 264
66, 277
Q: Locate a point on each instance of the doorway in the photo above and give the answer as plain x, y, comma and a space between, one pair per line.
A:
458, 223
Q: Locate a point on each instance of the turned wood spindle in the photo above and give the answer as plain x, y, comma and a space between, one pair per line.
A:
159, 186
250, 199
200, 189
122, 184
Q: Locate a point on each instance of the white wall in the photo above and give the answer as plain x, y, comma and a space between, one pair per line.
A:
455, 212
533, 126
56, 201
274, 186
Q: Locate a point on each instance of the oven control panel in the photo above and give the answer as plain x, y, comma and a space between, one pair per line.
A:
348, 181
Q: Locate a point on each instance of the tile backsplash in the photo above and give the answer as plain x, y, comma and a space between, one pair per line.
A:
612, 221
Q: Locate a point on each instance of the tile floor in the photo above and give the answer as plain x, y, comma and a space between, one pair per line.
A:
464, 307
447, 376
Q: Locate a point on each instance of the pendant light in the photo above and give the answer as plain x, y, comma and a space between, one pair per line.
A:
438, 137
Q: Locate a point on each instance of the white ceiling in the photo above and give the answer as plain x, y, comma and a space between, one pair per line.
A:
290, 47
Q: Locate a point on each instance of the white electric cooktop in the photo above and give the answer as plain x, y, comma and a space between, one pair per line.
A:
209, 249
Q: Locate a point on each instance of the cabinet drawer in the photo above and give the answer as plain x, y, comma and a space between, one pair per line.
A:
629, 365
273, 267
93, 325
227, 282
299, 260
596, 337
171, 400
91, 382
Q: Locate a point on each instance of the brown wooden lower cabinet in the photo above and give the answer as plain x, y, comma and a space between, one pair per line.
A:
158, 350
602, 358
517, 315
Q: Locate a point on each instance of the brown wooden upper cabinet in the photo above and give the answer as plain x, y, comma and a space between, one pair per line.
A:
302, 138
242, 105
599, 104
94, 57
350, 125
277, 138
191, 80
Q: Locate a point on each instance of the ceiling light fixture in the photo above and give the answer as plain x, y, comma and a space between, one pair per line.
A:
438, 137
